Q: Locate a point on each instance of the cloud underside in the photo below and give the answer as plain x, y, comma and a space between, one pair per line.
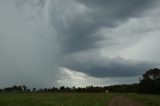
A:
78, 23
37, 37
106, 67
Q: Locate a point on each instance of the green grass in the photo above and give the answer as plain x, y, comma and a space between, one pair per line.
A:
70, 99
54, 99
147, 100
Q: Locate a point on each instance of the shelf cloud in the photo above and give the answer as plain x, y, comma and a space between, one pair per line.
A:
101, 39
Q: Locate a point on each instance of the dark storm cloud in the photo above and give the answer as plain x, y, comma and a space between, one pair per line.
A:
106, 67
77, 24
125, 6
37, 37
77, 30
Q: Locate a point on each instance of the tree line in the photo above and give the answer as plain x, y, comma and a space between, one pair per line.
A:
150, 83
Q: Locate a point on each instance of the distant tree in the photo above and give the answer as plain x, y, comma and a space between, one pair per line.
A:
62, 88
1, 90
150, 82
34, 90
24, 88
54, 89
152, 74
147, 86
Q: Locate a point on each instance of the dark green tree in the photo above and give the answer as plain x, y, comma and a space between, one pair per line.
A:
150, 82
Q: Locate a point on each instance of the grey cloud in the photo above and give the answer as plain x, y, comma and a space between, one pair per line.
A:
28, 49
115, 6
32, 34
35, 3
77, 28
78, 23
98, 66
30, 8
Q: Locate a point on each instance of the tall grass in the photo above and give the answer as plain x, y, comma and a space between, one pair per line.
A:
54, 99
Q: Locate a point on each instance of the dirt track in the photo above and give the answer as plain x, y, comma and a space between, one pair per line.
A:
124, 101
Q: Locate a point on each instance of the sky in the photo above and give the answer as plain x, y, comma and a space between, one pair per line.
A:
46, 43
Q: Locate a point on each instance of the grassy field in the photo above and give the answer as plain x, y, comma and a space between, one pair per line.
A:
147, 100
70, 99
55, 99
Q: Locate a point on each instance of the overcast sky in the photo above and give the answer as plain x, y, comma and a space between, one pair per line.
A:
45, 43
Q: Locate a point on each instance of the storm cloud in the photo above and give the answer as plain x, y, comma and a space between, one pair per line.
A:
39, 37
78, 21
78, 24
97, 66
27, 45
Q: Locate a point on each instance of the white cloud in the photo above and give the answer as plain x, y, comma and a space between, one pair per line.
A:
72, 78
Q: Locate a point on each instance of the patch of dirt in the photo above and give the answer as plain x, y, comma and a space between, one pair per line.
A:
124, 101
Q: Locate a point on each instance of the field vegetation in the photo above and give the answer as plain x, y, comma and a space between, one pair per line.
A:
54, 99
146, 99
72, 99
